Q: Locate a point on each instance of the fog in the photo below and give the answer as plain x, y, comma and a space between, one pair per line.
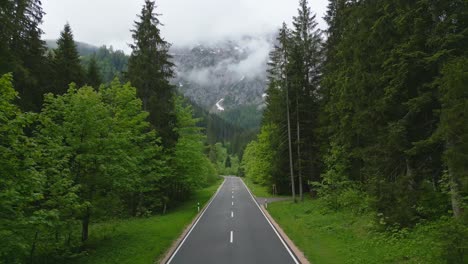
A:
186, 22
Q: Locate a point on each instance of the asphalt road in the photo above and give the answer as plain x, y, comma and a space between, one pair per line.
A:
232, 230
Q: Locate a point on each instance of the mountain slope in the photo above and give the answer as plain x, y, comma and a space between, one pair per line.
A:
231, 73
227, 78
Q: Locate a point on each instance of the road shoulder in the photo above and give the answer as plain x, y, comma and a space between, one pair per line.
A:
295, 250
299, 254
175, 245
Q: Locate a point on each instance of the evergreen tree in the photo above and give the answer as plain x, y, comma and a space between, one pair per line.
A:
110, 63
150, 69
278, 111
93, 75
67, 65
305, 71
22, 51
227, 163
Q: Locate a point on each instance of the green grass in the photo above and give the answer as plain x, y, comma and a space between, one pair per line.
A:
343, 237
141, 240
259, 190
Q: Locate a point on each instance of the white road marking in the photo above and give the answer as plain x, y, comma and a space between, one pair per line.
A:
274, 229
233, 197
232, 214
196, 222
232, 203
231, 239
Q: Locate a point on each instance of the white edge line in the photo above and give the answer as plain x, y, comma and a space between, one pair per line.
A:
231, 237
196, 222
274, 229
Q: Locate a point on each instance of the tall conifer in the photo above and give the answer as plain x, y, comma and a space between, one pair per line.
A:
67, 63
149, 69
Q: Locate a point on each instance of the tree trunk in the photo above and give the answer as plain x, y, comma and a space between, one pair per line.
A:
133, 203
85, 226
299, 171
145, 103
455, 196
290, 146
33, 248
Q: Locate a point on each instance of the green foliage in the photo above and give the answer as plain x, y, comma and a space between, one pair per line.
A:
66, 62
343, 237
93, 77
379, 123
111, 63
454, 129
192, 168
35, 202
91, 153
150, 69
225, 163
259, 156
22, 52
247, 117
141, 240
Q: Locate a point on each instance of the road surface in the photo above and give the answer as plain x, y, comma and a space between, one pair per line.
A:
232, 230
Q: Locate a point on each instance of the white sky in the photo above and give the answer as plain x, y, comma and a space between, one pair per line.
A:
186, 22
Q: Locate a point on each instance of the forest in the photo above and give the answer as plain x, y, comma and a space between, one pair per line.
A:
368, 117
88, 138
371, 115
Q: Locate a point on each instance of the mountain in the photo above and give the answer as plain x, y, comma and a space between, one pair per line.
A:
226, 76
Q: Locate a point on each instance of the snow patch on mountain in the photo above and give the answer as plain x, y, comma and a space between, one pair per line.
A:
232, 70
218, 105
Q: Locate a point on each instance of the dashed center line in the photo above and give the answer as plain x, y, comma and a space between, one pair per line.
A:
231, 238
233, 197
232, 203
232, 214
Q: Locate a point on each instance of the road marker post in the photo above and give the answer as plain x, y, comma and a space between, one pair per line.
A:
266, 203
198, 206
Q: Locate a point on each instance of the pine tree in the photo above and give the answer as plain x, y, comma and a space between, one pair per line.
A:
150, 69
67, 65
227, 163
305, 70
278, 99
93, 75
22, 51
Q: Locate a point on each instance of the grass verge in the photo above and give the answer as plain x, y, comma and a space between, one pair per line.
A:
259, 190
343, 237
141, 240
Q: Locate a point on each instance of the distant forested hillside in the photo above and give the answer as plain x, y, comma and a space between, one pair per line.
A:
111, 63
83, 49
239, 112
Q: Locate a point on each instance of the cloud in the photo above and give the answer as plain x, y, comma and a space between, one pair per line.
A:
254, 65
252, 55
186, 22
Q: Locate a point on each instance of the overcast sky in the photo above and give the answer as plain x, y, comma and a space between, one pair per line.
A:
186, 22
